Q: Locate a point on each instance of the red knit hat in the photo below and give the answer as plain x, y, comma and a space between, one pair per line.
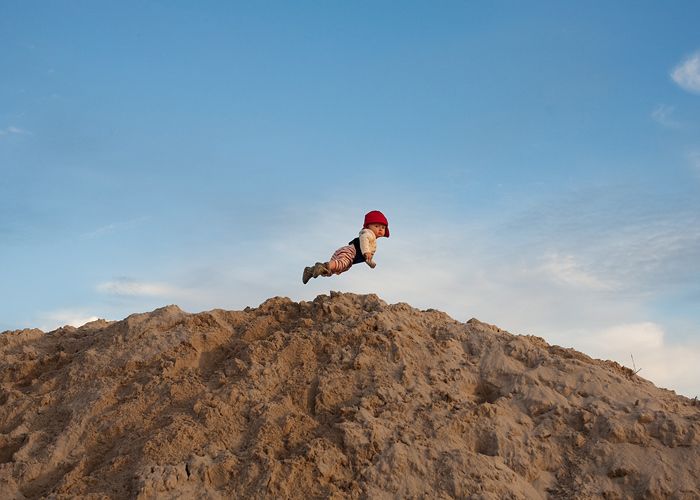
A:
376, 217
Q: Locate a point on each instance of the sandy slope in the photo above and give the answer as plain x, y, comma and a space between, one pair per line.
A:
344, 396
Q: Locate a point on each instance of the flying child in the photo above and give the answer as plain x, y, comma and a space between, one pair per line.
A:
361, 249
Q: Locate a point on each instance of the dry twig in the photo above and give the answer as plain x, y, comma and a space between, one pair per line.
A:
634, 367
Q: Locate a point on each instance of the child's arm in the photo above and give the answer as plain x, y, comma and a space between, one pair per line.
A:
366, 237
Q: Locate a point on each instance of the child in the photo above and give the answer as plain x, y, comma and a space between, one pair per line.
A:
361, 249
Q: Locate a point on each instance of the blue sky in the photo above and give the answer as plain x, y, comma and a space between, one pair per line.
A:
539, 162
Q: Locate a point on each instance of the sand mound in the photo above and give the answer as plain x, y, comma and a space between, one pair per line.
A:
344, 396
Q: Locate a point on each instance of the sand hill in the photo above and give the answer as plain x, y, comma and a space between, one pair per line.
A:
342, 397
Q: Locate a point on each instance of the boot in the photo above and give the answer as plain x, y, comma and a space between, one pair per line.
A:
318, 269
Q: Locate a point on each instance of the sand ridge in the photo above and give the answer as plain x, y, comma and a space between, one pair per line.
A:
341, 397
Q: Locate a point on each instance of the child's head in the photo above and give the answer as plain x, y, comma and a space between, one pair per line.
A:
377, 223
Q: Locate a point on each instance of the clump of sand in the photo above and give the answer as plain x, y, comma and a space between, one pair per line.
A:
341, 397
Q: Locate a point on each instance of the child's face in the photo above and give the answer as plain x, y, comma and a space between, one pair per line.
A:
377, 229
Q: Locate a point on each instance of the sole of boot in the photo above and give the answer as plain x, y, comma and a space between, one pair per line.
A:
306, 276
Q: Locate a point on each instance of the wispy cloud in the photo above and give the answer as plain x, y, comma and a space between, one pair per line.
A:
637, 241
663, 115
566, 270
694, 159
127, 287
12, 130
113, 228
687, 73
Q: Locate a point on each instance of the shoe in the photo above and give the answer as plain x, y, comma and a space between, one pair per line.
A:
318, 269
308, 273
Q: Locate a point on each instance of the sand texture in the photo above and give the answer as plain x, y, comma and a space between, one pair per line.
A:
342, 397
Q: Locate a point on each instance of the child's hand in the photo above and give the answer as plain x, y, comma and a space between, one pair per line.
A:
369, 261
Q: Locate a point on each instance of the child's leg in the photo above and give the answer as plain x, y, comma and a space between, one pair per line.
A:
341, 260
333, 265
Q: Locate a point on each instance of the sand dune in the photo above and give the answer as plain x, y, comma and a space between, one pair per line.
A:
342, 397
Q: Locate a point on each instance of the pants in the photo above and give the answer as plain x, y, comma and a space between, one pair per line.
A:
343, 258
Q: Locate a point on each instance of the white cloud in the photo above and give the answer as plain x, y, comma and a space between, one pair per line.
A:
56, 319
687, 73
620, 341
663, 114
134, 288
643, 346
